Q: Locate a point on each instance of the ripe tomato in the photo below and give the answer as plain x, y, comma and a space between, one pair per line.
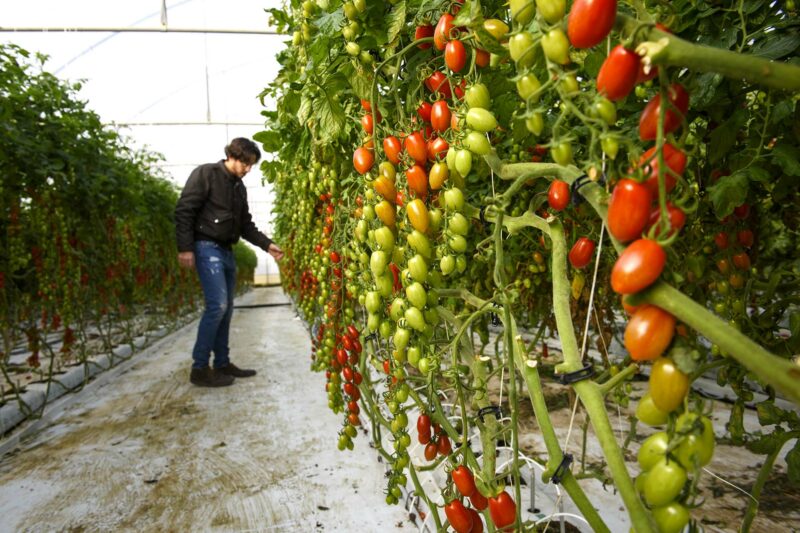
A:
365, 105
668, 385
436, 147
424, 423
478, 500
440, 116
675, 160
367, 123
438, 83
638, 266
455, 56
430, 451
503, 510
742, 211
417, 181
745, 238
444, 447
590, 21
677, 219
424, 111
442, 32
423, 31
392, 149
648, 333
463, 479
477, 523
673, 117
558, 195
741, 261
415, 147
458, 516
664, 483
385, 188
628, 210
482, 59
363, 160
418, 214
581, 253
617, 76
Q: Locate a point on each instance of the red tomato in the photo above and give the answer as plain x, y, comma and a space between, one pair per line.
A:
424, 111
721, 240
478, 500
590, 21
742, 212
617, 76
582, 252
352, 332
363, 160
334, 256
558, 195
673, 117
463, 479
442, 32
455, 56
424, 423
440, 116
677, 218
423, 31
482, 58
628, 210
742, 261
477, 523
444, 447
745, 238
638, 266
367, 123
417, 181
415, 147
392, 149
648, 333
458, 516
365, 105
675, 160
630, 309
437, 146
438, 83
503, 510
430, 451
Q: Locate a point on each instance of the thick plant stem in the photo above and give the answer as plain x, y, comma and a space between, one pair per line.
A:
771, 369
662, 48
589, 392
763, 476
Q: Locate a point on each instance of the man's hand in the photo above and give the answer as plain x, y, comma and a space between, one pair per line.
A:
275, 251
186, 259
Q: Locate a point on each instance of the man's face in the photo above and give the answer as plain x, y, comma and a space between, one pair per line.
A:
240, 168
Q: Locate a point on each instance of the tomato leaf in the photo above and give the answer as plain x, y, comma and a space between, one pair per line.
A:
704, 89
793, 464
304, 111
592, 63
686, 358
773, 47
331, 117
359, 81
769, 413
766, 444
788, 157
735, 423
270, 140
729, 193
465, 16
724, 136
395, 21
329, 24
782, 110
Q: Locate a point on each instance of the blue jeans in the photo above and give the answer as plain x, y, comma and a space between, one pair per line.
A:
217, 271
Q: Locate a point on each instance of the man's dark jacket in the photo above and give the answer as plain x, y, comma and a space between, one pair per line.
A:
213, 207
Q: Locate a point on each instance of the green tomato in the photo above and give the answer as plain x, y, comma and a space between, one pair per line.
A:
569, 84
377, 262
416, 295
424, 365
481, 119
477, 143
457, 243
696, 448
606, 110
461, 263
671, 518
476, 96
353, 48
415, 318
414, 356
664, 483
521, 48
458, 224
454, 199
653, 450
401, 338
386, 329
397, 309
373, 302
551, 10
435, 216
556, 46
535, 123
385, 239
562, 153
373, 321
420, 243
384, 284
522, 11
463, 162
447, 264
610, 146
418, 268
527, 87
648, 413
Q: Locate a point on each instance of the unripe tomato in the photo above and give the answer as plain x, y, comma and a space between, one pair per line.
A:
648, 333
521, 49
477, 143
555, 46
535, 123
496, 28
558, 195
638, 266
481, 119
418, 215
477, 95
552, 10
527, 86
581, 253
668, 385
696, 448
628, 210
653, 450
671, 518
562, 153
648, 413
664, 483
522, 11
437, 175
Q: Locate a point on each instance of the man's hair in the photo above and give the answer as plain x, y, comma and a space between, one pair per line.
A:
244, 150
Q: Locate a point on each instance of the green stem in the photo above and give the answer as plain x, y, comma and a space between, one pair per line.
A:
609, 385
761, 480
422, 494
666, 49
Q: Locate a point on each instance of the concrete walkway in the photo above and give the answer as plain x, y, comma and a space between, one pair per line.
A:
142, 449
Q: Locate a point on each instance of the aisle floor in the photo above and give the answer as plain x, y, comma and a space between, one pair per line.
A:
143, 449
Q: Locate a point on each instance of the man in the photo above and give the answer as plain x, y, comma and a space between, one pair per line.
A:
211, 214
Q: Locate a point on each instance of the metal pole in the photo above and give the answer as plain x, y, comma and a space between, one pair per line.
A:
44, 29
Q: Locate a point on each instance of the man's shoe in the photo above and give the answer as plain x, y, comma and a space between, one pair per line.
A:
235, 371
206, 377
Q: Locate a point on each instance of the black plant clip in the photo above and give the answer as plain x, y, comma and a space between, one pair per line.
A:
371, 336
495, 316
579, 375
562, 469
577, 198
492, 409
